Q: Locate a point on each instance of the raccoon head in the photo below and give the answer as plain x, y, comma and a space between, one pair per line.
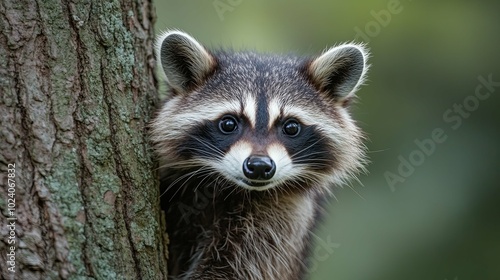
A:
258, 121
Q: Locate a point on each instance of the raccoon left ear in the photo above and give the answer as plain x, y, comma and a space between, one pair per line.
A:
185, 62
340, 70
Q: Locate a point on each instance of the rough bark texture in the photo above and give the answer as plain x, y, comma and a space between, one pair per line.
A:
76, 93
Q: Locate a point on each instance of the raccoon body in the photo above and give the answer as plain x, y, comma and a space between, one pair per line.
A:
250, 146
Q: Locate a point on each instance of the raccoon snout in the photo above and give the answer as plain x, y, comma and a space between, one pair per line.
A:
259, 167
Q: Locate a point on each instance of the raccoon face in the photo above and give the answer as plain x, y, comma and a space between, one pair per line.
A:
259, 121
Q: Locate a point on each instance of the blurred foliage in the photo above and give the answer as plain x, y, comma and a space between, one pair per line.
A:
443, 221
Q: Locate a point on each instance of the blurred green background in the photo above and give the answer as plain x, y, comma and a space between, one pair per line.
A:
442, 221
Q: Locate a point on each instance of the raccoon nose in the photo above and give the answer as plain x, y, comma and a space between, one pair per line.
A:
259, 167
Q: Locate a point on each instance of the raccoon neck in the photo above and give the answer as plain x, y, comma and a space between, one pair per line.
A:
222, 233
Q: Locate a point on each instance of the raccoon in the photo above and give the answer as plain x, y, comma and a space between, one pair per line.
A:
250, 146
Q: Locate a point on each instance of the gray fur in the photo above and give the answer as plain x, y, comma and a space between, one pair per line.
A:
241, 232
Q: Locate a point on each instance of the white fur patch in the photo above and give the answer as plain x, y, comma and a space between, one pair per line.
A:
274, 109
305, 116
209, 111
284, 165
250, 109
232, 163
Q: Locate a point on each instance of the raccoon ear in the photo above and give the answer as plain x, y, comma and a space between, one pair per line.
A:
340, 70
185, 62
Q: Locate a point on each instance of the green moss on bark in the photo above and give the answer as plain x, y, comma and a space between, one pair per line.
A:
80, 92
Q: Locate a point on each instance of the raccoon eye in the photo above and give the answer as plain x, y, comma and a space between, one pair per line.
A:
291, 127
228, 124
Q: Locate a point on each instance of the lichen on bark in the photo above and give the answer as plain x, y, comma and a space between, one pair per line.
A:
77, 90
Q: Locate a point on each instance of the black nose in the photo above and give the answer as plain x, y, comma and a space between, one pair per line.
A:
259, 168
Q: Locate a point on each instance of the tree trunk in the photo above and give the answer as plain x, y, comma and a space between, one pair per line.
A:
79, 196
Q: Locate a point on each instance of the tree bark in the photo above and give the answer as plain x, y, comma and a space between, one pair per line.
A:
77, 90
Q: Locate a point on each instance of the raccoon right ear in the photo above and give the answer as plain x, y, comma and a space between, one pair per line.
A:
185, 62
340, 70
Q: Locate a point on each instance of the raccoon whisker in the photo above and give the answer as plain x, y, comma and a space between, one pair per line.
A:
308, 163
200, 153
212, 149
317, 176
175, 181
349, 185
279, 186
274, 192
163, 166
285, 187
287, 190
307, 180
313, 163
378, 151
209, 145
357, 180
308, 159
222, 183
318, 168
305, 167
217, 182
233, 190
278, 194
210, 173
189, 175
308, 175
181, 166
204, 152
199, 171
295, 155
247, 196
307, 155
334, 197
304, 149
185, 164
